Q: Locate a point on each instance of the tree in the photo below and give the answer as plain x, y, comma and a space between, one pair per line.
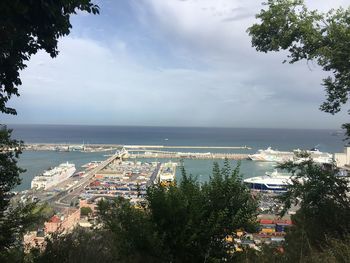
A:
27, 26
335, 251
81, 245
134, 237
186, 222
85, 211
11, 220
313, 36
324, 208
320, 230
321, 225
14, 219
9, 172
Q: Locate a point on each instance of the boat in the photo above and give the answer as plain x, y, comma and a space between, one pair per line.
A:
337, 133
167, 173
91, 165
270, 155
52, 177
317, 156
274, 182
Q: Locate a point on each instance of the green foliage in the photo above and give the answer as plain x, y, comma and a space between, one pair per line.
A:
335, 251
321, 225
134, 236
346, 127
324, 208
40, 213
311, 35
81, 245
13, 219
182, 223
27, 26
85, 211
266, 254
10, 150
320, 231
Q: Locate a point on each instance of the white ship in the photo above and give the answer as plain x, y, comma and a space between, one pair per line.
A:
317, 156
270, 155
270, 182
54, 176
167, 172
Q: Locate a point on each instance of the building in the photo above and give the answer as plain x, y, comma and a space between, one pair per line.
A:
62, 222
342, 160
33, 239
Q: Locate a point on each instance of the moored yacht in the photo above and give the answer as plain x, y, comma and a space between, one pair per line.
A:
270, 182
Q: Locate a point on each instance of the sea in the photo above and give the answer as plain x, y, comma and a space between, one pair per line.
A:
35, 162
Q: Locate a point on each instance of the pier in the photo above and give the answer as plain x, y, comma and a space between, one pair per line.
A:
186, 147
188, 155
67, 147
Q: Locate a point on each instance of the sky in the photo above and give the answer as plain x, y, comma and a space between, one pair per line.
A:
172, 63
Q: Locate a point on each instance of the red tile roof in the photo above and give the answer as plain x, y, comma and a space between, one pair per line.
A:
55, 219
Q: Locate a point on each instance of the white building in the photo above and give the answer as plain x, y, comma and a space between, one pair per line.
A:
342, 160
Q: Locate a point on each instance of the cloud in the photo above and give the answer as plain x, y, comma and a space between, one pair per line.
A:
183, 63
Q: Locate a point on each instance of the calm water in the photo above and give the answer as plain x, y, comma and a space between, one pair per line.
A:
282, 139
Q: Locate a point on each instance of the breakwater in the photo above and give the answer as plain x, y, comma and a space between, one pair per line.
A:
189, 155
114, 147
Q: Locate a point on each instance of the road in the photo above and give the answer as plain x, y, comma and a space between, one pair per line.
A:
63, 198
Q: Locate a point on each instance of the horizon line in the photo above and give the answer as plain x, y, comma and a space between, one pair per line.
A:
165, 126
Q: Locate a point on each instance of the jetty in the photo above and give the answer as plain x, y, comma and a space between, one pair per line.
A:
187, 155
68, 147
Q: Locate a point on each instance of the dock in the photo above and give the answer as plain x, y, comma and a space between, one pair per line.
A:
188, 155
68, 147
186, 147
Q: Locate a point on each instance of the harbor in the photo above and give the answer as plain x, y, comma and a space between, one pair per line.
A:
109, 178
122, 176
129, 172
132, 168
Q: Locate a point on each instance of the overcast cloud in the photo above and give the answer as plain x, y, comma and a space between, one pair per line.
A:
171, 63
